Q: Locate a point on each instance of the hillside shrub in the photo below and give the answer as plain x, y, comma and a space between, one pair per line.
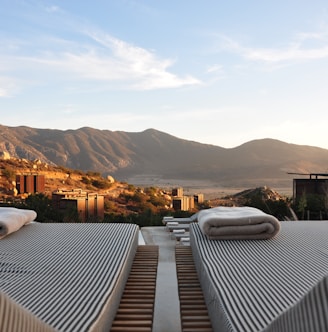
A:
101, 183
93, 174
86, 180
158, 201
9, 174
42, 205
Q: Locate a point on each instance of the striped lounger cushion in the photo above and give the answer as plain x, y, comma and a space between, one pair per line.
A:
69, 276
272, 285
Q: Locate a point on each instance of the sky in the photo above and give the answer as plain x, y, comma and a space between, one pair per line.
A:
212, 71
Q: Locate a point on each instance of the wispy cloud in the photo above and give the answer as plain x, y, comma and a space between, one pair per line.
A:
288, 54
303, 47
98, 57
119, 60
214, 69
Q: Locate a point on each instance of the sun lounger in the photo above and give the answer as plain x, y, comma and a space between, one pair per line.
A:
69, 277
260, 285
172, 223
170, 228
14, 318
178, 236
185, 241
187, 220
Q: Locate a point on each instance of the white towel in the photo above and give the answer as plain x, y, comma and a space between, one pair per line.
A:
237, 223
12, 219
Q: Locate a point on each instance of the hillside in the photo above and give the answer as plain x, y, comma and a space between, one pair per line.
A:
152, 157
120, 198
123, 200
56, 177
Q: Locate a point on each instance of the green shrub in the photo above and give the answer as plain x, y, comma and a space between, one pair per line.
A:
101, 184
9, 174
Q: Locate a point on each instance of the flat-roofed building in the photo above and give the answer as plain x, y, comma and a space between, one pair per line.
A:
199, 198
177, 192
88, 206
312, 185
310, 195
184, 203
30, 183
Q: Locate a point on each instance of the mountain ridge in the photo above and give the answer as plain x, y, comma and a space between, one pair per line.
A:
158, 157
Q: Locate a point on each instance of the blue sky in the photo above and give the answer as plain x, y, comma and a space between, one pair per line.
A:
217, 72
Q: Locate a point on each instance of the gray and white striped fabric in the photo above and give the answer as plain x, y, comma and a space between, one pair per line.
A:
249, 284
309, 314
70, 276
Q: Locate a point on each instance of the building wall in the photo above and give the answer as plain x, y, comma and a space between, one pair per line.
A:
191, 202
309, 186
30, 183
199, 198
88, 205
81, 208
20, 184
91, 206
100, 206
40, 183
177, 203
184, 203
177, 192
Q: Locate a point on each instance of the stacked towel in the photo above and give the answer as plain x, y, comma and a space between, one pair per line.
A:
12, 219
237, 223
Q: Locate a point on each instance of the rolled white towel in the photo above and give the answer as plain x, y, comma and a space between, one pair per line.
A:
237, 223
12, 219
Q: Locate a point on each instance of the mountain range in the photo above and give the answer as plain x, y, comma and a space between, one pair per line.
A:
157, 158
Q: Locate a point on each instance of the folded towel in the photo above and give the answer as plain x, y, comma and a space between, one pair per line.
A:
12, 219
237, 223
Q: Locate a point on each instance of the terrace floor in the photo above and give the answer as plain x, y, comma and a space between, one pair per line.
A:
179, 302
167, 305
